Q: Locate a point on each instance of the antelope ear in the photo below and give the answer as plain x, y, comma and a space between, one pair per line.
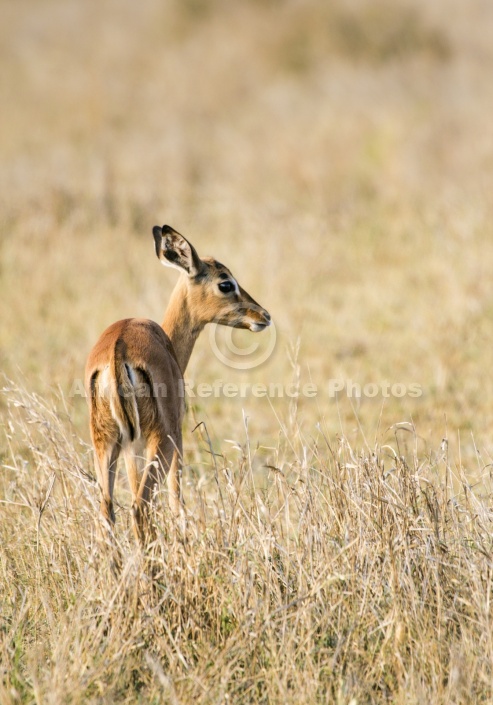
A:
175, 251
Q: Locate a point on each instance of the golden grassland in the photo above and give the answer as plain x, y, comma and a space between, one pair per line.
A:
339, 158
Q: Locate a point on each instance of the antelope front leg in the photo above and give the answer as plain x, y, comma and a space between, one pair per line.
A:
163, 458
175, 492
174, 484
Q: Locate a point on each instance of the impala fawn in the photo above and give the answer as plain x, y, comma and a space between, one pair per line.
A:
134, 376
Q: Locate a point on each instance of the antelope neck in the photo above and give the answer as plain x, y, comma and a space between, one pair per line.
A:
180, 325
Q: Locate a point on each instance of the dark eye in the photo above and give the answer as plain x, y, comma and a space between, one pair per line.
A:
226, 287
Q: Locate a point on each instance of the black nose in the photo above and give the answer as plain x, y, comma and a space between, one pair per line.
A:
267, 315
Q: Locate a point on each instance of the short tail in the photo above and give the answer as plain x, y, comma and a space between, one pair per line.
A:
123, 402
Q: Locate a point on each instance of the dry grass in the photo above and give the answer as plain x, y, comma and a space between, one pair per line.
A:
338, 578
338, 157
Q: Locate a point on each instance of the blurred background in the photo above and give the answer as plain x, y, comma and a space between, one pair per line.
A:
338, 157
